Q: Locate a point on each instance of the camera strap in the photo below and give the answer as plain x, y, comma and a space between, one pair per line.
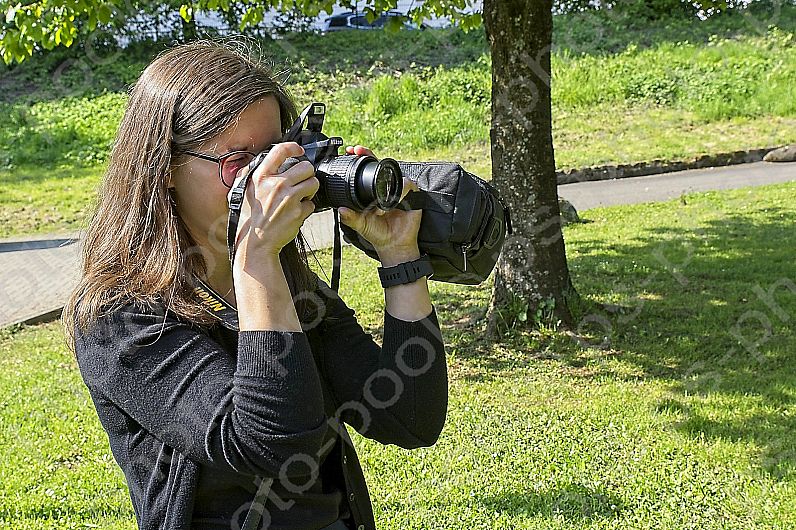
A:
337, 252
235, 201
215, 304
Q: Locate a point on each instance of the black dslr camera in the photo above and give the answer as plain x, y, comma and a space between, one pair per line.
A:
464, 220
351, 181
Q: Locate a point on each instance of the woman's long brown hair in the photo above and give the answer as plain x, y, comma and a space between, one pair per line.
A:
136, 248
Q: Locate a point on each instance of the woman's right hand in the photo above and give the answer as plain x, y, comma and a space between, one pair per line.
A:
276, 204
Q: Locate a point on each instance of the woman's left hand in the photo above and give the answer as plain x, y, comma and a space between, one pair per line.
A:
385, 230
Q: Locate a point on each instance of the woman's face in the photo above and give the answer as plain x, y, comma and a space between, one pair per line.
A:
201, 196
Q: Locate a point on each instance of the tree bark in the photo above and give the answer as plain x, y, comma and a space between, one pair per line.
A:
532, 272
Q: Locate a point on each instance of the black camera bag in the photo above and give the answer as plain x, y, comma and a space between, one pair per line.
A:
464, 221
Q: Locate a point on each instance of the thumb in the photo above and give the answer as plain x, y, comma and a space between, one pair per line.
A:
349, 217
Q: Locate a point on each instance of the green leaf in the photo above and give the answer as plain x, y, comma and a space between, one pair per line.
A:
370, 14
92, 21
104, 13
186, 12
394, 24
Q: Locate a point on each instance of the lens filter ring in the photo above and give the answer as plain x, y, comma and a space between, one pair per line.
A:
382, 181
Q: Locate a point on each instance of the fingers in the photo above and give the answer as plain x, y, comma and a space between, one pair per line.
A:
359, 150
306, 189
351, 218
277, 156
307, 208
298, 173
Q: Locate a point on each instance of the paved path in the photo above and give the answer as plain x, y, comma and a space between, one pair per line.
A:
585, 195
38, 272
36, 275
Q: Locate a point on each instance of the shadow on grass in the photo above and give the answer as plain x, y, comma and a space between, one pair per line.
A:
573, 502
714, 314
710, 310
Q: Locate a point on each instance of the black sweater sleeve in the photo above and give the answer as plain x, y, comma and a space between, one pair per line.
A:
249, 415
396, 393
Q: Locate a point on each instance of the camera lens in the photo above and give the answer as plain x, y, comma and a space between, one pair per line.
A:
357, 182
381, 183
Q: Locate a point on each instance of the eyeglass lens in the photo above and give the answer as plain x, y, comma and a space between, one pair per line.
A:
232, 164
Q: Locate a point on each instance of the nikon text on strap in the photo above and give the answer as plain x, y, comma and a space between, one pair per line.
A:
215, 304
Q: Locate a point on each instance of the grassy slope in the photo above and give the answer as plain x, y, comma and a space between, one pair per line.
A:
37, 200
657, 418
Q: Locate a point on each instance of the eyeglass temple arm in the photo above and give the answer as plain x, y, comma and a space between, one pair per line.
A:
203, 156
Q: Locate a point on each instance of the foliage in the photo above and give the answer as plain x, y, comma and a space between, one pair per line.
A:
426, 107
75, 130
727, 78
47, 24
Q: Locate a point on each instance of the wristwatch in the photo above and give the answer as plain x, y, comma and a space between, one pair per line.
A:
407, 272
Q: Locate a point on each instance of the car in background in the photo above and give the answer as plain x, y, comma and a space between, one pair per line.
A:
348, 21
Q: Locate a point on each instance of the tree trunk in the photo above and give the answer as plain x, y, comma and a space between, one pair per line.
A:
532, 282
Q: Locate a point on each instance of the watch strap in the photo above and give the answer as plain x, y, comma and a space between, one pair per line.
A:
406, 272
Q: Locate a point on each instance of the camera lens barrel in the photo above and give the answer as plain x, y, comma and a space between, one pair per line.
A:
357, 182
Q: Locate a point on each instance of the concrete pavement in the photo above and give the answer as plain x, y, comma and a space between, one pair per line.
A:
38, 272
36, 275
634, 190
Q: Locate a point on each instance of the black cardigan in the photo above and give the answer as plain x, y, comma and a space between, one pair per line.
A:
180, 402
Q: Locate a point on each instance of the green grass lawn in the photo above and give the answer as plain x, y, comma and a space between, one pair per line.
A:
655, 416
38, 199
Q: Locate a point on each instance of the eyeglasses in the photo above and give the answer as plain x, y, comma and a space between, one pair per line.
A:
228, 164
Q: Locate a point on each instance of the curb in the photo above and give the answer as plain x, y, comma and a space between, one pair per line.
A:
657, 167
42, 318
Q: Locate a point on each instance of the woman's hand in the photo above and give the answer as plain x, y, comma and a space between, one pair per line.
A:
392, 233
276, 204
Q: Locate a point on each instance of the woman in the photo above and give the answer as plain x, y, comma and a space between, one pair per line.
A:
217, 424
